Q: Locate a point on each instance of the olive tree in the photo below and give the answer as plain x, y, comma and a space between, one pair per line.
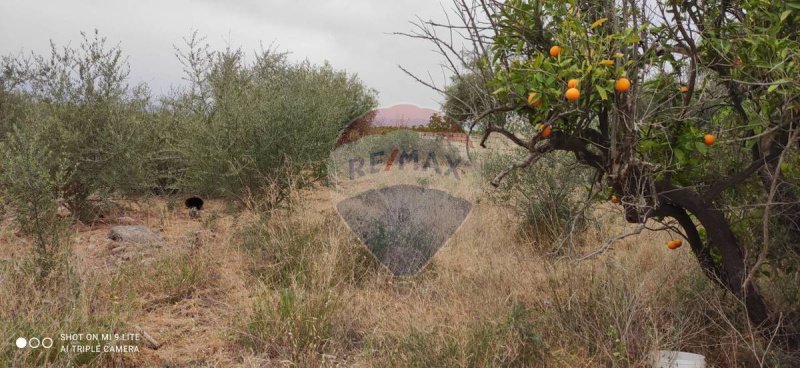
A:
245, 124
87, 115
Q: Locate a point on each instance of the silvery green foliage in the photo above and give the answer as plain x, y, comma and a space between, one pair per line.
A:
30, 181
238, 125
86, 114
247, 123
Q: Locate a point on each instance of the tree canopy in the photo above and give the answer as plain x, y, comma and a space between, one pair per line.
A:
688, 112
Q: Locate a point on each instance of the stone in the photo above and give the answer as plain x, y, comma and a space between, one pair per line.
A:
136, 234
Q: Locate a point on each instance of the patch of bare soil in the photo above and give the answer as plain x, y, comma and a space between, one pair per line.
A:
192, 326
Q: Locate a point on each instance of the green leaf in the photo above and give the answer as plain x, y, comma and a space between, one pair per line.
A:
602, 93
785, 15
680, 155
701, 147
772, 88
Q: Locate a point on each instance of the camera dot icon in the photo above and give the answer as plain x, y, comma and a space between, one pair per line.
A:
22, 342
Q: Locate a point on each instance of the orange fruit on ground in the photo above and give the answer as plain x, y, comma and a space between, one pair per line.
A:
684, 89
533, 100
674, 244
709, 139
573, 83
614, 199
622, 85
573, 94
547, 131
555, 51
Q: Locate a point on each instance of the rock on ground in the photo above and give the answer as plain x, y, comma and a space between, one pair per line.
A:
132, 243
136, 234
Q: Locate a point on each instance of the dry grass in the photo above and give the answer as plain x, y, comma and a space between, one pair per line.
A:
295, 288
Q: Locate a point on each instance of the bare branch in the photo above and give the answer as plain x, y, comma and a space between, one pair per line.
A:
609, 242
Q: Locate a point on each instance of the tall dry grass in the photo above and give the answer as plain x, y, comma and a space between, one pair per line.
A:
485, 300
77, 296
294, 287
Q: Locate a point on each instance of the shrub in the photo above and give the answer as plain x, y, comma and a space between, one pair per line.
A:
88, 116
238, 127
243, 124
30, 179
548, 197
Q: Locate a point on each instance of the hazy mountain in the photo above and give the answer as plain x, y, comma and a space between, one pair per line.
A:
403, 115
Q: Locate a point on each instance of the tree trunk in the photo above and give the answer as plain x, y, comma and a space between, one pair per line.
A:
720, 235
700, 250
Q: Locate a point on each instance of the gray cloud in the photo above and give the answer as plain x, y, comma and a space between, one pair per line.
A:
351, 34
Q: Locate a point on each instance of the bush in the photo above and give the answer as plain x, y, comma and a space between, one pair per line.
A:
238, 127
88, 117
244, 124
549, 197
30, 179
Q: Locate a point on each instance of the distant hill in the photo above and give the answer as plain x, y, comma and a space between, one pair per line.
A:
382, 120
403, 115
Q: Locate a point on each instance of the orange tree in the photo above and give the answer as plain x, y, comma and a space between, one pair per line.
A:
688, 111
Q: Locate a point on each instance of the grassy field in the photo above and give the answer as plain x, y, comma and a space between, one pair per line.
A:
239, 287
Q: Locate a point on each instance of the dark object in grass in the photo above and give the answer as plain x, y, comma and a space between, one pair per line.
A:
194, 204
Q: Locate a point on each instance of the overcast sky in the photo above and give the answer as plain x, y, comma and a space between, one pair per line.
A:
351, 34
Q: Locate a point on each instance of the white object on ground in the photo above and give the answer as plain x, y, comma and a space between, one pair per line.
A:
677, 359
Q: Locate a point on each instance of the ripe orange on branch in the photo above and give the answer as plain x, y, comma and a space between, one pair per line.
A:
573, 83
709, 139
622, 85
555, 51
547, 131
573, 94
684, 89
